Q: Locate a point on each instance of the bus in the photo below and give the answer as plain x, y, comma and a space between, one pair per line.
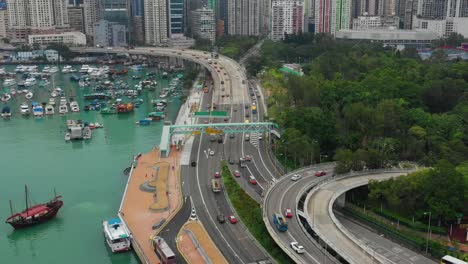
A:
163, 251
254, 109
215, 185
451, 260
280, 222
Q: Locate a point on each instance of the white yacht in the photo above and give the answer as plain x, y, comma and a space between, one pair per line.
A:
24, 109
66, 68
9, 82
29, 95
19, 68
52, 101
84, 68
116, 234
54, 69
46, 68
49, 109
30, 82
63, 109
38, 110
74, 107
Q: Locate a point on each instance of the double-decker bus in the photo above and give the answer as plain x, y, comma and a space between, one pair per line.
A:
163, 251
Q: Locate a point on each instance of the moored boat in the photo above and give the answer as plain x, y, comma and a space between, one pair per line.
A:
116, 234
36, 214
74, 106
24, 109
49, 109
6, 98
63, 109
6, 112
38, 110
29, 95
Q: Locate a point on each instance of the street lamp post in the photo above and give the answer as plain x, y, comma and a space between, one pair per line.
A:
428, 230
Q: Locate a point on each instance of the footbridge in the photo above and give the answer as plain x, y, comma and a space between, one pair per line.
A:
213, 128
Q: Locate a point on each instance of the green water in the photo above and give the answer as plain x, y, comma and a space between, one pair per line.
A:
87, 173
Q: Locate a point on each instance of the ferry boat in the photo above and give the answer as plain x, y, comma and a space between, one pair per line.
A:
36, 214
49, 109
9, 82
6, 112
38, 110
24, 109
116, 234
63, 109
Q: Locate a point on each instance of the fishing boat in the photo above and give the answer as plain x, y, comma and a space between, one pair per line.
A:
35, 214
38, 110
74, 106
125, 108
24, 109
6, 112
116, 234
63, 109
49, 109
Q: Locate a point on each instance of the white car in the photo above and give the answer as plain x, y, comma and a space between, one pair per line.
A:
212, 152
298, 248
296, 177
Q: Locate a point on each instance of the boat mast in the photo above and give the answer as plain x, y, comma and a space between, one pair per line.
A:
11, 208
26, 194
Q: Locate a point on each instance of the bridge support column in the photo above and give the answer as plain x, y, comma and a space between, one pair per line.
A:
341, 200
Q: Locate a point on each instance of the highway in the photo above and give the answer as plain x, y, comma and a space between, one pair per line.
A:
229, 92
284, 194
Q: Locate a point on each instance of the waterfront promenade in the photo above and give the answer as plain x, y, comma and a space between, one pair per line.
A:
144, 209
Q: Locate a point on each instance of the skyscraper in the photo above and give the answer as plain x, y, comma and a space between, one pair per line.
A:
287, 17
3, 19
203, 23
137, 31
76, 18
332, 15
176, 12
156, 31
92, 14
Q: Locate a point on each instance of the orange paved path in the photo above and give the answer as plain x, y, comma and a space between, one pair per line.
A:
136, 204
190, 252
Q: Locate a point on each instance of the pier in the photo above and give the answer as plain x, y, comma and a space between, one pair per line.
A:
152, 197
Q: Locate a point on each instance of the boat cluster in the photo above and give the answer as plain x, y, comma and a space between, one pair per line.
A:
79, 129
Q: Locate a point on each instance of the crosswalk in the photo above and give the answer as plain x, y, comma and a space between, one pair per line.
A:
254, 139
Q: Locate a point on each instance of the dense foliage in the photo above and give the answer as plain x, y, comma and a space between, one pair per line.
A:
250, 213
364, 105
235, 46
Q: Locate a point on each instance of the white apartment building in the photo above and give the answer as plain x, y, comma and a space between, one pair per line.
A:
3, 23
91, 15
245, 17
68, 38
156, 32
203, 24
375, 22
287, 17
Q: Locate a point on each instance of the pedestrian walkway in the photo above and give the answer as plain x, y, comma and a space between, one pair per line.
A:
254, 139
196, 245
136, 212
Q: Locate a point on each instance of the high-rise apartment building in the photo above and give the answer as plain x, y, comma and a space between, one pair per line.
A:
156, 29
332, 15
76, 18
203, 24
3, 19
137, 31
309, 15
432, 8
92, 14
36, 16
244, 17
110, 34
287, 17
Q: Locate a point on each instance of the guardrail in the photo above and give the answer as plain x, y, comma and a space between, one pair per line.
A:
365, 249
266, 218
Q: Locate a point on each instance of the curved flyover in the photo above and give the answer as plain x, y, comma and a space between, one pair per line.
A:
319, 211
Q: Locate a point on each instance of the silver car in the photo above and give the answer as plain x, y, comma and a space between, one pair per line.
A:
296, 177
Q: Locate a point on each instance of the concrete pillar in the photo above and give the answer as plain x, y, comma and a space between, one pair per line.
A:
341, 200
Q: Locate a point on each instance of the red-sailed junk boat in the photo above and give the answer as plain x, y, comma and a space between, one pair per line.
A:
36, 214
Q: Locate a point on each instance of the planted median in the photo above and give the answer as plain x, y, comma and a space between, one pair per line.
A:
250, 213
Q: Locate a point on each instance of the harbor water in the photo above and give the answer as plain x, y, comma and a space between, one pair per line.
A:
88, 174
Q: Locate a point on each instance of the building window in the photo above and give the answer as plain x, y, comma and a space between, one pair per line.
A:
424, 25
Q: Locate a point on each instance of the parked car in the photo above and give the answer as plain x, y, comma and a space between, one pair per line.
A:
232, 219
320, 173
298, 248
296, 177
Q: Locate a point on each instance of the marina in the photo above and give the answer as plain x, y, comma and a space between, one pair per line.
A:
115, 143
